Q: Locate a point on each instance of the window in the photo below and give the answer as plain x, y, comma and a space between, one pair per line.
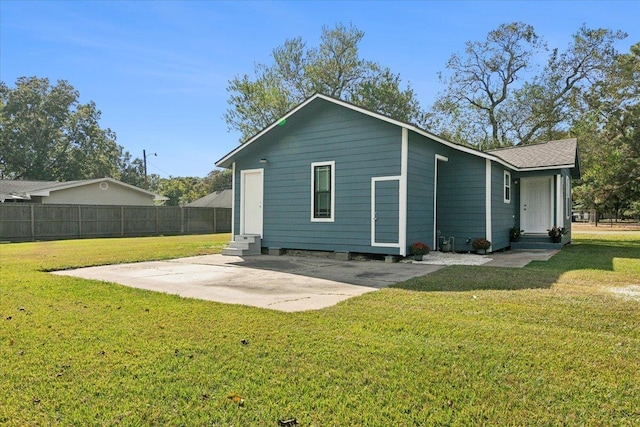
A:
507, 187
322, 191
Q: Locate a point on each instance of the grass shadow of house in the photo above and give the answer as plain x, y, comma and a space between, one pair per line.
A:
460, 278
598, 255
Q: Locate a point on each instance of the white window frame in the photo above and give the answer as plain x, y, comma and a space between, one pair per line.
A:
507, 185
333, 191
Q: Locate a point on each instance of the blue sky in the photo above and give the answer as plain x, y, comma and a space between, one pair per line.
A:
158, 70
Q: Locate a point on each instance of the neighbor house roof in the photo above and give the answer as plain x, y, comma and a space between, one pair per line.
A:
20, 189
218, 199
227, 160
551, 154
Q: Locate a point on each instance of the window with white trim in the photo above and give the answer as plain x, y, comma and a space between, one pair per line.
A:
507, 187
323, 191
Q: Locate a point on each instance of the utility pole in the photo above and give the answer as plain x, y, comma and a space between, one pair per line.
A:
144, 156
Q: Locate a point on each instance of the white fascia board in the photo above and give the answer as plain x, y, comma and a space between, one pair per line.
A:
541, 168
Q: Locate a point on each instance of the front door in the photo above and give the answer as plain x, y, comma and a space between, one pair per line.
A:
536, 206
251, 189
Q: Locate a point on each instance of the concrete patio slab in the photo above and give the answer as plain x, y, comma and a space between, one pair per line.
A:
285, 283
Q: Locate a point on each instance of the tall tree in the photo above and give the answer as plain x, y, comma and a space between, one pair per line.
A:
180, 190
334, 68
489, 99
609, 131
218, 180
46, 134
481, 79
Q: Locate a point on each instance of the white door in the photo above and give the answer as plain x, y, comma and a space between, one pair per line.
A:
251, 182
536, 213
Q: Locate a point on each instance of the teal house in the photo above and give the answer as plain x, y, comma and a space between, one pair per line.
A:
332, 176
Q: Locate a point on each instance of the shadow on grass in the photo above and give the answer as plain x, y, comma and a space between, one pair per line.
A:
460, 278
589, 254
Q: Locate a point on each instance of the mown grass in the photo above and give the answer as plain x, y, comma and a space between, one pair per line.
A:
549, 344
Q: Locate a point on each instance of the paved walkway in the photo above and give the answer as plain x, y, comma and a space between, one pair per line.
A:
285, 283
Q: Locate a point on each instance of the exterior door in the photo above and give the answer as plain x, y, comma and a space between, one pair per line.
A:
536, 206
385, 212
251, 182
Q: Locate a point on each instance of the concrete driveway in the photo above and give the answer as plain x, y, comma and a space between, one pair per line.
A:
285, 283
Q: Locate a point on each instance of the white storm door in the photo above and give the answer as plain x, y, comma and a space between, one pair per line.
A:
251, 188
536, 211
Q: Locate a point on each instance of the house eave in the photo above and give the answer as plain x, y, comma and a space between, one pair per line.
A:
542, 168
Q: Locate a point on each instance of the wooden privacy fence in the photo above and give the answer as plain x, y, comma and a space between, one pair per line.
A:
21, 222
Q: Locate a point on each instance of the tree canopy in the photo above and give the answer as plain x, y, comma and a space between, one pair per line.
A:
46, 134
495, 97
333, 68
608, 129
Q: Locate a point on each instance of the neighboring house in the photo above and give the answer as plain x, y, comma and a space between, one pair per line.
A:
332, 176
101, 191
218, 199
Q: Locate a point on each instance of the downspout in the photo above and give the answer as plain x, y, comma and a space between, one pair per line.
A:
559, 202
233, 201
488, 228
402, 223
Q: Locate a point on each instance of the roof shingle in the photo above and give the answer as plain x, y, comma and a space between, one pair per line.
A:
561, 152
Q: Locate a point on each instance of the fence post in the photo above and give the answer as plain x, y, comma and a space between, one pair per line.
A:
157, 221
121, 221
215, 225
33, 225
79, 221
181, 220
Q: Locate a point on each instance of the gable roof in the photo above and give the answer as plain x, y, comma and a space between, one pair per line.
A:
20, 189
227, 160
218, 199
546, 155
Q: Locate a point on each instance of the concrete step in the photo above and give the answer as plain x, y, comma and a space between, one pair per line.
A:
246, 244
233, 252
536, 241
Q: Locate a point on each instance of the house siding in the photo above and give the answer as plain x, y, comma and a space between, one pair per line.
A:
461, 203
420, 177
503, 215
361, 146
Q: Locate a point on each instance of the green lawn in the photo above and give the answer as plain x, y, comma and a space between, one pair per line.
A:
555, 343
